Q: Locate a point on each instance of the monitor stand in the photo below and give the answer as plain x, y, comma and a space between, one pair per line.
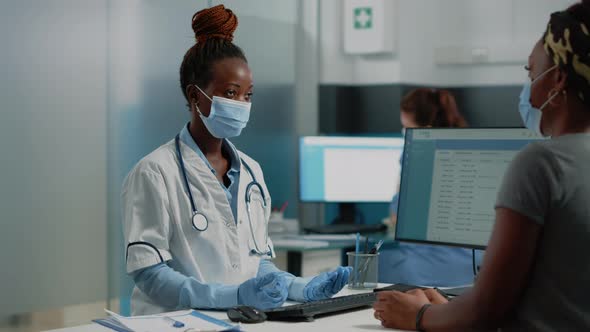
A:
349, 221
347, 214
456, 291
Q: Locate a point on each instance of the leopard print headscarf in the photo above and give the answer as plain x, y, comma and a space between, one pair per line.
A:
567, 41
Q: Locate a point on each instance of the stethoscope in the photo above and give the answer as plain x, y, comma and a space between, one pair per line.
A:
200, 221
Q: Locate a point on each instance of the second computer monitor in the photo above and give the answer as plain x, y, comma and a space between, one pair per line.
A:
450, 180
348, 168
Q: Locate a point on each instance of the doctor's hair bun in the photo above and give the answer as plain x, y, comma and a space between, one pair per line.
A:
214, 23
214, 30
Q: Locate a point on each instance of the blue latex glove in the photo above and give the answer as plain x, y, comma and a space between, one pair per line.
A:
264, 292
327, 284
174, 291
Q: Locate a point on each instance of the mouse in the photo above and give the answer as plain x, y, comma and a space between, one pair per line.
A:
246, 314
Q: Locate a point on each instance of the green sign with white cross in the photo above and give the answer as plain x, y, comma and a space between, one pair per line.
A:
363, 18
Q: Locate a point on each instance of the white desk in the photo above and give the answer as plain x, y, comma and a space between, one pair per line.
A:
361, 320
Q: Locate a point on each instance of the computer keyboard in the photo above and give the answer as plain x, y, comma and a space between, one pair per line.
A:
398, 287
447, 293
310, 310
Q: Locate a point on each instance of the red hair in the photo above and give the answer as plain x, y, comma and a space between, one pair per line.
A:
433, 108
215, 22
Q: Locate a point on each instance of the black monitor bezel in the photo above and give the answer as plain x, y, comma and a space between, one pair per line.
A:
448, 244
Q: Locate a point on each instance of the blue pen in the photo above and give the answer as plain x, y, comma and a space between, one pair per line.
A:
356, 258
174, 322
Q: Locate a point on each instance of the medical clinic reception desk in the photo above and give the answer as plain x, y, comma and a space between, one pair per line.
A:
360, 320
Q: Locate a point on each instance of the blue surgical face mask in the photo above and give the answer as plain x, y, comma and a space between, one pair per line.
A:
531, 116
227, 117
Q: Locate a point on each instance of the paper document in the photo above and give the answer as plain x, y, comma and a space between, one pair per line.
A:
193, 321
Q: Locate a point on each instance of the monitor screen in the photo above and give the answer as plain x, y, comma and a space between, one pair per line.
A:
349, 169
450, 180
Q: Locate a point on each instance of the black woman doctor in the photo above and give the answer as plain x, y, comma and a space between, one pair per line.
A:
195, 210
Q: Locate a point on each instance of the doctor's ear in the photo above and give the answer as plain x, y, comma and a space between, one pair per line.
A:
192, 93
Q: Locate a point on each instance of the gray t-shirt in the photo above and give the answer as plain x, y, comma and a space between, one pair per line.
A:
549, 182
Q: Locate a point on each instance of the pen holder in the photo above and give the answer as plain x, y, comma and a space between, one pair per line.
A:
365, 270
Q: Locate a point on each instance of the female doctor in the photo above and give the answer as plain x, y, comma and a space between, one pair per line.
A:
195, 210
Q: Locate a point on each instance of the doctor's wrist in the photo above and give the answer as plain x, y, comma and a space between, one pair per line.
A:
194, 294
297, 287
227, 296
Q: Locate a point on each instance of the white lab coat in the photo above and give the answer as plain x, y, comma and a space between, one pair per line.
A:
157, 221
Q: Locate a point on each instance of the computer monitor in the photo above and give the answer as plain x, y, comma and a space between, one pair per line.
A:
450, 179
349, 169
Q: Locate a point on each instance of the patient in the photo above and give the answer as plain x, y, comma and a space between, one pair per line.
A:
420, 264
533, 277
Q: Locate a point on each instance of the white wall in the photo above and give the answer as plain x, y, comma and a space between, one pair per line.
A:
266, 32
336, 67
147, 41
53, 148
505, 27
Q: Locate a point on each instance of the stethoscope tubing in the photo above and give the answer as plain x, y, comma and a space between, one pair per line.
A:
247, 197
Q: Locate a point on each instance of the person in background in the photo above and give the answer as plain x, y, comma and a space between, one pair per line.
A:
421, 264
534, 276
196, 210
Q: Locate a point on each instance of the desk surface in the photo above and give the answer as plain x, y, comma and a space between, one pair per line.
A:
361, 320
331, 245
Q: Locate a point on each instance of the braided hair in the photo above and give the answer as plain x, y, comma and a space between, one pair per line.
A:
567, 41
214, 28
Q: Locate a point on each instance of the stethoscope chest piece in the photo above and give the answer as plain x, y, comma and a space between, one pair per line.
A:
200, 222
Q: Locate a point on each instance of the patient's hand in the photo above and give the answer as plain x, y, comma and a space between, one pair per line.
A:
398, 310
434, 297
